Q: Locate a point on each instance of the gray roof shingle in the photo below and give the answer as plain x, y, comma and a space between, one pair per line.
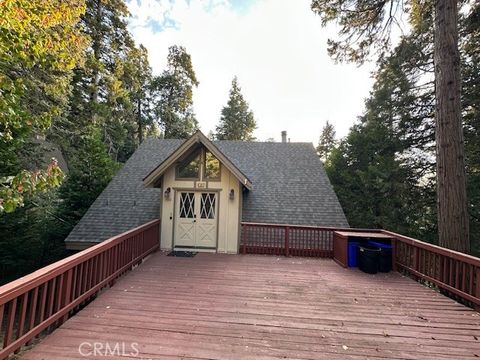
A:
289, 186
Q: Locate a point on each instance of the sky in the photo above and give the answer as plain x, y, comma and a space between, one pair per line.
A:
276, 48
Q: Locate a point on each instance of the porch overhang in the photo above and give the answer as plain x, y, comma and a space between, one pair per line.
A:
198, 138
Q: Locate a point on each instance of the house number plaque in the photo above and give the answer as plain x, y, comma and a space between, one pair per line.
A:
201, 184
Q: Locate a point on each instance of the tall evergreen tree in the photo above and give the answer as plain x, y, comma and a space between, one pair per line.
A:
137, 80
173, 91
100, 96
91, 170
404, 96
366, 25
326, 142
237, 121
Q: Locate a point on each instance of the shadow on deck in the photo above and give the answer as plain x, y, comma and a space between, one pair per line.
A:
215, 306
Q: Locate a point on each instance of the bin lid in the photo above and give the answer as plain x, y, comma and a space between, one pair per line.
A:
380, 245
369, 248
371, 235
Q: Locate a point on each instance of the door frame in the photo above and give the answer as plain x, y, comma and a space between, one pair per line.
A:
177, 191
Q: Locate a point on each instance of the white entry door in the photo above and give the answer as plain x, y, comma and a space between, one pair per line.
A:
196, 219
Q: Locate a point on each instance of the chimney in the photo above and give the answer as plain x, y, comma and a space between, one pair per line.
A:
284, 136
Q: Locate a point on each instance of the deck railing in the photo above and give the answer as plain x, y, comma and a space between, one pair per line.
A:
455, 274
288, 240
44, 299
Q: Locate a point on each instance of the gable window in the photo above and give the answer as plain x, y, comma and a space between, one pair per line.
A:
190, 168
201, 165
212, 167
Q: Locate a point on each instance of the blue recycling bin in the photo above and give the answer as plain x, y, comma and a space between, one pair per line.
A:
385, 258
353, 253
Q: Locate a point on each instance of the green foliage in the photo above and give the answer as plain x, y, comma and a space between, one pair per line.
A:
173, 91
14, 188
326, 142
106, 86
237, 121
40, 44
471, 116
25, 241
364, 26
92, 170
137, 81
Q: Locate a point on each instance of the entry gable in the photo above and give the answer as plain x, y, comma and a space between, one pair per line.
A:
186, 148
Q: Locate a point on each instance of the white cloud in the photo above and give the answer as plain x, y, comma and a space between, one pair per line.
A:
277, 48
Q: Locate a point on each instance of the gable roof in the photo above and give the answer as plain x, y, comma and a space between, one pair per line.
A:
197, 138
289, 186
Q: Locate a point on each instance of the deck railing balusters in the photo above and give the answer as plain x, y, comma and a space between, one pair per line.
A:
43, 300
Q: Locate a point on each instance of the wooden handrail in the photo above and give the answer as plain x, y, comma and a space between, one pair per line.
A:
455, 273
332, 228
45, 298
434, 248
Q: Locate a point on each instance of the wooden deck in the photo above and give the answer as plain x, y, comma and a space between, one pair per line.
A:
264, 307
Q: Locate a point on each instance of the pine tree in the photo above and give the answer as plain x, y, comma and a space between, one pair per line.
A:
366, 26
173, 92
137, 80
326, 142
237, 121
91, 171
99, 93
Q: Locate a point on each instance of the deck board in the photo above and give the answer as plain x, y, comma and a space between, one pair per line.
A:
216, 306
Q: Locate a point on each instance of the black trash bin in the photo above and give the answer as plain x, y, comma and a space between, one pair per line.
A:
368, 258
385, 259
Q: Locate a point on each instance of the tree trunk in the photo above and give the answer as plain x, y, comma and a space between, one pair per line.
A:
140, 122
453, 228
96, 46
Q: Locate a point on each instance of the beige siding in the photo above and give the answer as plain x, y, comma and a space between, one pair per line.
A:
228, 210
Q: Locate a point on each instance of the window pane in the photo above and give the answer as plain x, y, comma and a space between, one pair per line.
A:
207, 206
187, 204
212, 166
189, 169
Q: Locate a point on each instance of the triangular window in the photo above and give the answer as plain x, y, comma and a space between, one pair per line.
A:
190, 168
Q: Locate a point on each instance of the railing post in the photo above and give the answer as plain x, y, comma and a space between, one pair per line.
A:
416, 257
476, 307
394, 253
244, 235
67, 293
287, 235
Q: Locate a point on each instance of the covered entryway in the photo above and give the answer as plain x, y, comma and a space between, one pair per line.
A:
196, 220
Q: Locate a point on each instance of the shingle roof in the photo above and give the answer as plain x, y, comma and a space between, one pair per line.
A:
289, 186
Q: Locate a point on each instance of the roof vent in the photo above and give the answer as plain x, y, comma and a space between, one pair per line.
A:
284, 136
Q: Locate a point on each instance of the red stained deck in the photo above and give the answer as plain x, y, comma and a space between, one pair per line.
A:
217, 306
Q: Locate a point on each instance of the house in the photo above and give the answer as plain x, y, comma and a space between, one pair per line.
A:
202, 190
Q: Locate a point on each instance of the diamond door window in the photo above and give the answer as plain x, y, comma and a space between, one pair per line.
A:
207, 206
187, 205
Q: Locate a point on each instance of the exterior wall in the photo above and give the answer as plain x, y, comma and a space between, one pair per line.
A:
228, 211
